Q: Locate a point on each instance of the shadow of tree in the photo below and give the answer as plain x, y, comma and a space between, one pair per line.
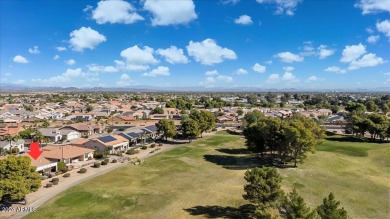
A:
233, 150
232, 162
236, 162
244, 211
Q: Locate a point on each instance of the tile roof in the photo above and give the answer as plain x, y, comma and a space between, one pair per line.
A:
64, 152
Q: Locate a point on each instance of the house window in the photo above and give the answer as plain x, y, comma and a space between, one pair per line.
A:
85, 156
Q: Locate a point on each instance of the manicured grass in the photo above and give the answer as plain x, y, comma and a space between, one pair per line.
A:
205, 178
163, 187
358, 174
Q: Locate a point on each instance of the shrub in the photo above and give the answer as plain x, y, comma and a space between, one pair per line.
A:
96, 164
214, 129
66, 175
114, 161
153, 145
107, 160
151, 152
48, 185
82, 170
62, 167
104, 162
89, 158
98, 155
55, 183
160, 144
44, 177
144, 147
132, 151
55, 180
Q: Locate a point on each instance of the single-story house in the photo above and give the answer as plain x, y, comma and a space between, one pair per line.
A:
84, 129
67, 153
69, 134
5, 145
43, 165
53, 134
113, 143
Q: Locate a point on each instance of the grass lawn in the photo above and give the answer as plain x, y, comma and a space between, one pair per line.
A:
205, 178
358, 174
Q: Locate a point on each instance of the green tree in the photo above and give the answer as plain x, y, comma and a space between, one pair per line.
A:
294, 207
17, 178
371, 106
158, 110
262, 187
240, 112
45, 124
329, 209
205, 120
190, 129
61, 166
253, 117
166, 128
89, 108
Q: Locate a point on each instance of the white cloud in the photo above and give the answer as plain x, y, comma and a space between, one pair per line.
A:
173, 55
85, 38
211, 73
34, 50
288, 68
357, 58
88, 8
289, 57
308, 49
269, 62
208, 82
99, 68
384, 27
115, 11
20, 59
373, 6
241, 71
56, 57
288, 76
70, 62
368, 60
259, 68
224, 78
208, 52
324, 52
335, 69
373, 39
353, 52
20, 81
233, 2
273, 78
69, 76
60, 48
287, 7
244, 20
125, 80
137, 58
130, 67
171, 12
312, 78
369, 30
159, 71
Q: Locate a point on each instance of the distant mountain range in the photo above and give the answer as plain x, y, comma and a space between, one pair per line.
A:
7, 87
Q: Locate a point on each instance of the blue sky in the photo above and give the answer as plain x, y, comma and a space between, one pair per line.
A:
181, 43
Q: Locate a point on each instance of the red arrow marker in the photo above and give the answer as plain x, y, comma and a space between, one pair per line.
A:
34, 150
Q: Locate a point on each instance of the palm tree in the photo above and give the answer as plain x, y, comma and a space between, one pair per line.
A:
37, 136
